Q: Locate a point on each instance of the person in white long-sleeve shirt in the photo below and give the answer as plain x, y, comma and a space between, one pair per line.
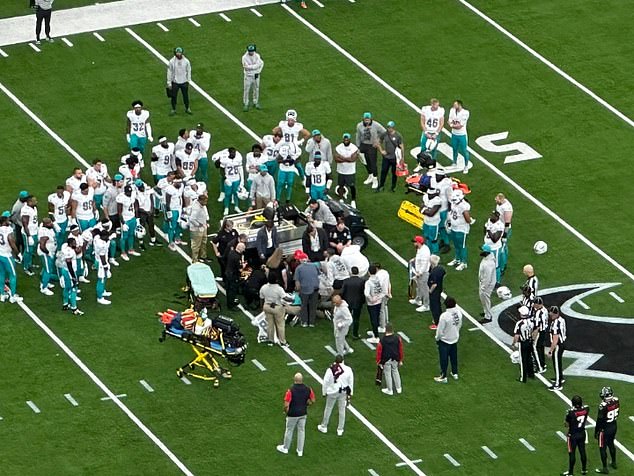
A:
341, 322
252, 65
179, 75
337, 387
447, 337
420, 273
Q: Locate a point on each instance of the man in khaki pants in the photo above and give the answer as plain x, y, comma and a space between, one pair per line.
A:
272, 295
198, 223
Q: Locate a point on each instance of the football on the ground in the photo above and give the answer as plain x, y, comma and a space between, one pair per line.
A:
504, 293
540, 247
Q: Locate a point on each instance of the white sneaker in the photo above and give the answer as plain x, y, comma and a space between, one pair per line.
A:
373, 340
440, 379
399, 390
281, 449
415, 302
381, 330
322, 428
422, 309
455, 376
350, 351
103, 301
46, 291
221, 197
339, 432
3, 297
107, 294
125, 257
82, 279
370, 334
113, 262
465, 170
453, 262
375, 183
15, 299
387, 391
172, 246
237, 209
369, 180
300, 453
134, 253
353, 204
225, 212
50, 286
461, 266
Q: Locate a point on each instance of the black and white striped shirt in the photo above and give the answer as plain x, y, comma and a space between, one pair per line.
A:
524, 329
529, 290
558, 328
540, 319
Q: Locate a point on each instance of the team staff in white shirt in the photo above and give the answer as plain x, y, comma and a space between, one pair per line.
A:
458, 117
252, 65
346, 155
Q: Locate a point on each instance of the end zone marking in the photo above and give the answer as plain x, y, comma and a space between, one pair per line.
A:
561, 435
306, 361
490, 452
617, 297
330, 349
370, 345
583, 304
194, 22
258, 365
527, 444
404, 337
224, 17
35, 48
67, 41
451, 459
415, 461
121, 395
33, 406
3, 54
255, 12
146, 386
185, 380
99, 37
71, 400
162, 27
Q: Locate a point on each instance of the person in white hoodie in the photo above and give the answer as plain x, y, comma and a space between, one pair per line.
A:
447, 336
337, 387
486, 280
374, 295
341, 322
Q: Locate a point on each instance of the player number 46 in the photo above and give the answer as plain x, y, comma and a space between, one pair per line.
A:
524, 151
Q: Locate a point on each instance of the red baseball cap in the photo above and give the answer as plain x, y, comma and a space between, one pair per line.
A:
300, 255
418, 239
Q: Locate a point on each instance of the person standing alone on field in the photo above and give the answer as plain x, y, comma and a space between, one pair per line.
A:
296, 402
43, 9
179, 75
252, 65
337, 387
447, 336
389, 355
367, 138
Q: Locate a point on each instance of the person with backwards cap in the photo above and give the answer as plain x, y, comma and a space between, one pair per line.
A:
523, 334
179, 75
252, 65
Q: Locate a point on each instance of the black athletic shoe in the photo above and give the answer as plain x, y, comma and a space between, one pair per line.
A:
613, 465
485, 321
65, 307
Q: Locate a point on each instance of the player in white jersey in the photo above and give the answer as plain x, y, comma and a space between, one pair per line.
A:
460, 220
444, 184
187, 161
254, 159
432, 120
287, 155
458, 117
293, 132
432, 203
270, 146
74, 181
8, 252
47, 248
128, 210
162, 159
96, 177
173, 202
30, 225
504, 207
82, 207
66, 264
101, 246
318, 177
138, 129
58, 210
493, 233
130, 171
202, 146
231, 163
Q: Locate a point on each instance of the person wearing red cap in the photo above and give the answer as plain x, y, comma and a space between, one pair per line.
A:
420, 270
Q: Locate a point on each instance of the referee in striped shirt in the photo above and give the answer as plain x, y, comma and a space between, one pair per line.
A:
523, 333
540, 329
530, 287
557, 340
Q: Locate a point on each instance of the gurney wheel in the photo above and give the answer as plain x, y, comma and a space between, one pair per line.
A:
179, 373
161, 339
216, 384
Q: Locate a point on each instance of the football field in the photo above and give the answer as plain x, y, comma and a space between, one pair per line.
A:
549, 86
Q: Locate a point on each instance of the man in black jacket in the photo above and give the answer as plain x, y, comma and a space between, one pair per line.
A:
266, 241
296, 402
352, 292
220, 243
315, 243
233, 268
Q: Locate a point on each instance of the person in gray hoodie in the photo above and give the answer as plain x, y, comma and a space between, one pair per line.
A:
486, 282
341, 321
447, 336
367, 139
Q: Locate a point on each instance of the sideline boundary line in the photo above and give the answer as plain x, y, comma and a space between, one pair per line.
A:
484, 161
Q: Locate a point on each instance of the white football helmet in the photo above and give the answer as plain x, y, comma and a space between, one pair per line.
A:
139, 231
515, 357
291, 114
243, 194
457, 196
540, 247
504, 293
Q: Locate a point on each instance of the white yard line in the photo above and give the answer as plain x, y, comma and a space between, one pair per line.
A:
561, 435
255, 12
162, 27
194, 22
114, 397
330, 349
415, 461
71, 400
529, 447
258, 365
617, 297
492, 167
632, 418
3, 54
471, 329
67, 41
372, 472
307, 361
404, 337
35, 48
548, 63
185, 380
451, 459
490, 452
583, 304
99, 37
224, 17
146, 386
33, 406
318, 3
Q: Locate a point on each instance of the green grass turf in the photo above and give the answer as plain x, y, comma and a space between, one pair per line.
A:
11, 8
417, 421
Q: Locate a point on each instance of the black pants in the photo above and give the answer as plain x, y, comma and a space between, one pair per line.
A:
577, 441
370, 153
19, 240
356, 317
233, 285
526, 360
42, 15
447, 352
184, 88
606, 440
539, 351
386, 165
308, 312
434, 305
557, 367
147, 220
375, 312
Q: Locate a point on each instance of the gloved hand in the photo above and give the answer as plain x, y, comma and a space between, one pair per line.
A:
168, 214
307, 190
56, 227
127, 138
150, 139
30, 240
328, 184
125, 227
